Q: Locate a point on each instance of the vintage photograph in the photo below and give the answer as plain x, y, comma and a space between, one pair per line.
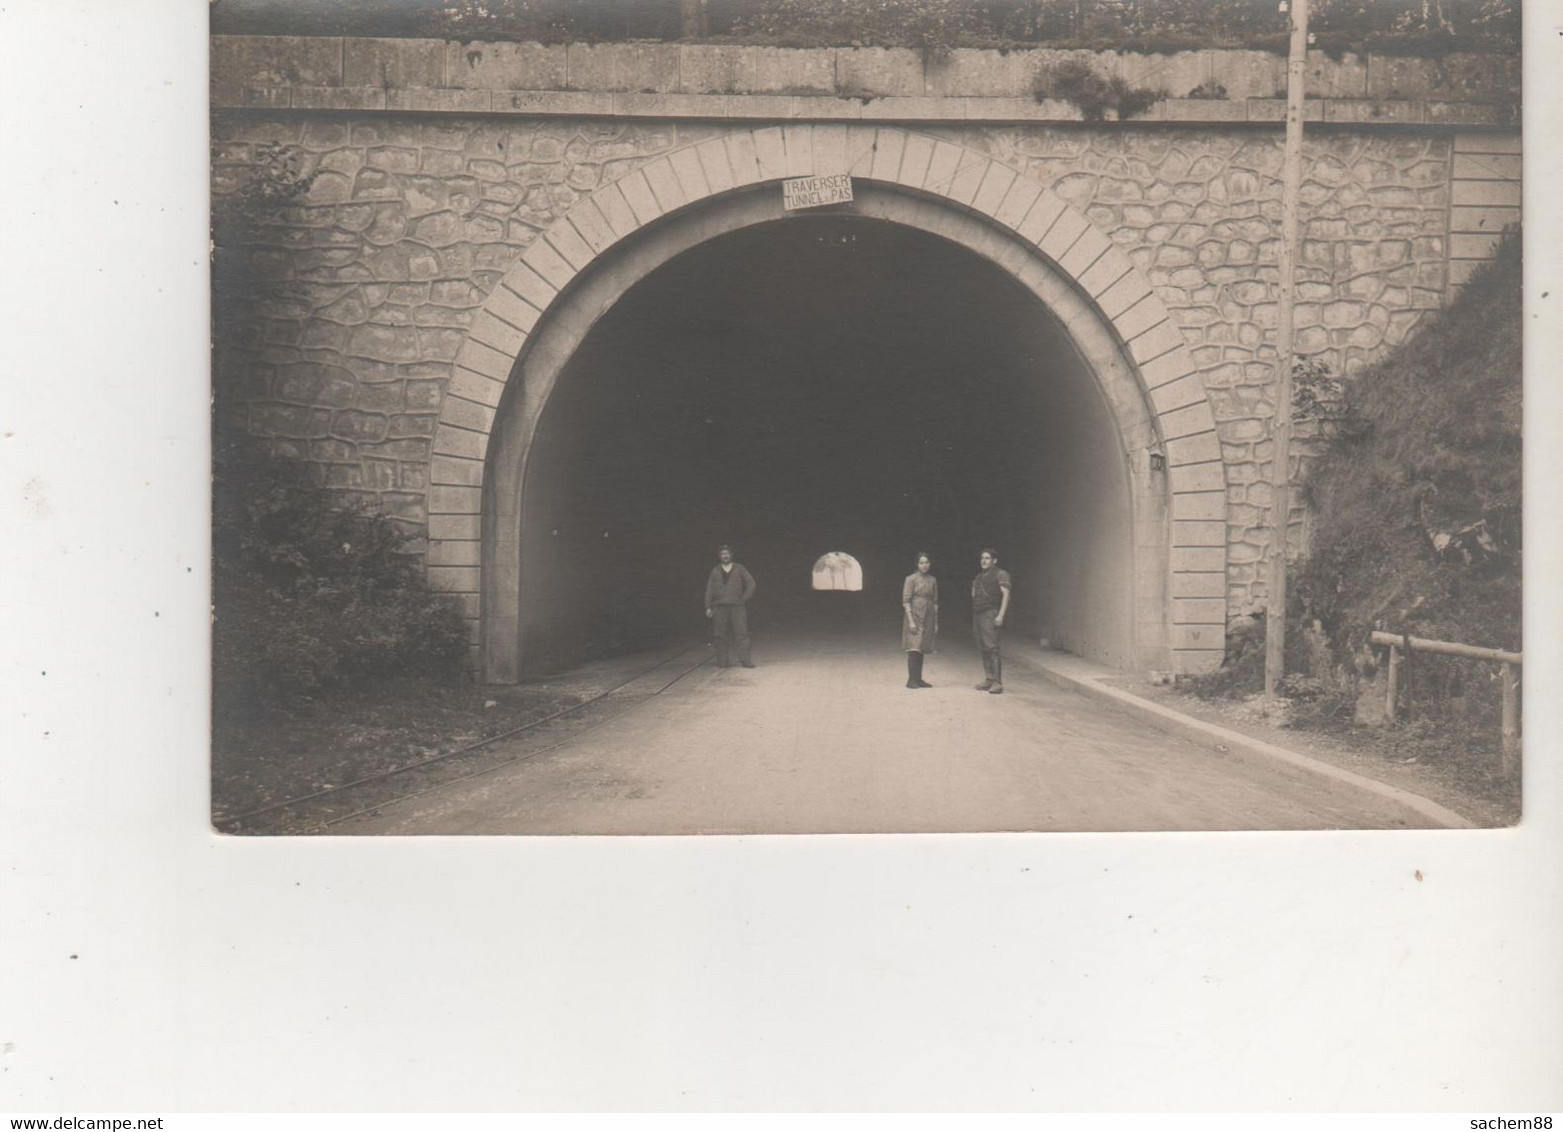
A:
834, 416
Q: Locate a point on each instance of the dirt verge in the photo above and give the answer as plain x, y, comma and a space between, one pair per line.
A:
266, 756
1470, 786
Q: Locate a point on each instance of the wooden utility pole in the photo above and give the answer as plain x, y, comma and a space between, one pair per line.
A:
1280, 468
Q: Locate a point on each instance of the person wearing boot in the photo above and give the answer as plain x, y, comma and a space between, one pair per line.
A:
728, 590
920, 602
989, 603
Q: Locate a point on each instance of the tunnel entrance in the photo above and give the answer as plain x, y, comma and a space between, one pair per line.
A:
811, 382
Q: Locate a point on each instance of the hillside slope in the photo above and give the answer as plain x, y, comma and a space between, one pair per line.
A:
1417, 501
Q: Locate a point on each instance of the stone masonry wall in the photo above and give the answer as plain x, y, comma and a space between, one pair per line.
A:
407, 227
412, 221
1199, 212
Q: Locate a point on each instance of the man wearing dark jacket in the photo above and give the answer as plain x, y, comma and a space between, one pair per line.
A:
728, 590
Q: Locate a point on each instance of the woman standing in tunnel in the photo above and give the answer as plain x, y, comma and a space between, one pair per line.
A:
920, 601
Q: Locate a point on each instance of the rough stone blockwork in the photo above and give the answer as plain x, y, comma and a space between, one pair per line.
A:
411, 222
1198, 211
406, 230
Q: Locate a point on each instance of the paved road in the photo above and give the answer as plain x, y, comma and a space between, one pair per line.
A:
824, 738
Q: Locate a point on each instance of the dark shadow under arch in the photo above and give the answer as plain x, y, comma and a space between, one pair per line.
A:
1141, 541
1138, 565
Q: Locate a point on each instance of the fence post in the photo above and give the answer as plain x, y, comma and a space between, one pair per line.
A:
1410, 677
1392, 684
1511, 722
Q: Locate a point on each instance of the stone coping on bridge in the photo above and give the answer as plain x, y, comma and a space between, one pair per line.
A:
725, 82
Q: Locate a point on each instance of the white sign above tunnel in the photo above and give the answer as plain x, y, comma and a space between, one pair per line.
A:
813, 192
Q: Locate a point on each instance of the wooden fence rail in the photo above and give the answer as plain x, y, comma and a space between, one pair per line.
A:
1509, 662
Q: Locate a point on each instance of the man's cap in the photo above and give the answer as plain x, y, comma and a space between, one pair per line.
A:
723, 547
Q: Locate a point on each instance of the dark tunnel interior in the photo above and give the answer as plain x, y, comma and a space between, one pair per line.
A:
814, 384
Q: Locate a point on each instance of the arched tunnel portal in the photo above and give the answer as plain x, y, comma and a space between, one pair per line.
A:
884, 378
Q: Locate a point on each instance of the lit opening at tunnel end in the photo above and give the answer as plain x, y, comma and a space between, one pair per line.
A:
837, 570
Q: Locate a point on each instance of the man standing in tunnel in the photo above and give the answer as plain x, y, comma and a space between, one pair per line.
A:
989, 604
728, 591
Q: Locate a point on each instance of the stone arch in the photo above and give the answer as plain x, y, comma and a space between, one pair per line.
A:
1144, 367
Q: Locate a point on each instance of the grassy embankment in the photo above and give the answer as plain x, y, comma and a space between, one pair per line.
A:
1415, 503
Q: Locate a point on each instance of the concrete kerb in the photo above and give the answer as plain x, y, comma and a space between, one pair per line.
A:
1077, 675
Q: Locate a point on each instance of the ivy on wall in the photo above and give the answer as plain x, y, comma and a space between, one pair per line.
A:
1075, 81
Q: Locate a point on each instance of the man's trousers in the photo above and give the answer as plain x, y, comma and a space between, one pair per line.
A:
730, 628
987, 634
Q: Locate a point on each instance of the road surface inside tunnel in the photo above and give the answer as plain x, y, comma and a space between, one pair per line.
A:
823, 737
